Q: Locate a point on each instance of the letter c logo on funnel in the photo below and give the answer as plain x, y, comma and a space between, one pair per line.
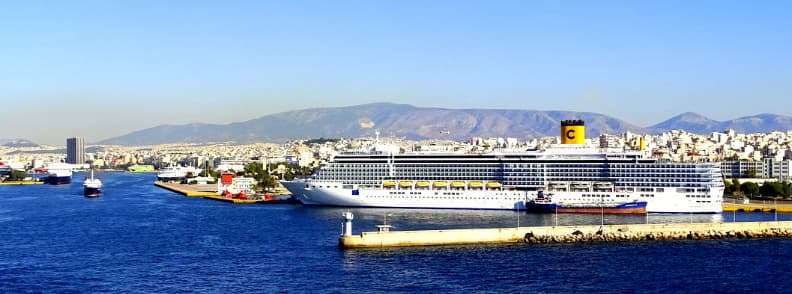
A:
570, 134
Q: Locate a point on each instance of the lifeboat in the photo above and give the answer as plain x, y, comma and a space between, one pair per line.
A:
475, 184
422, 184
440, 184
458, 184
405, 184
493, 185
388, 183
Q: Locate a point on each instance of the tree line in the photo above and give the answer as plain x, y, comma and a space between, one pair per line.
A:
751, 189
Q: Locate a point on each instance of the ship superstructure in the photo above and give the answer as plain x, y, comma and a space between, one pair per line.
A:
571, 171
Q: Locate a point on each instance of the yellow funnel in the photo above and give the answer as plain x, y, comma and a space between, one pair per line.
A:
643, 144
573, 132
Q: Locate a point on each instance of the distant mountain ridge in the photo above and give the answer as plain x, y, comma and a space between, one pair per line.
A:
699, 124
18, 143
402, 120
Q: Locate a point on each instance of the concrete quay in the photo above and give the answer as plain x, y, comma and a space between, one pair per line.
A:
759, 206
189, 190
566, 234
9, 183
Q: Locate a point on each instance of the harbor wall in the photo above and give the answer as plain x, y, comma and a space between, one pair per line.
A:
568, 234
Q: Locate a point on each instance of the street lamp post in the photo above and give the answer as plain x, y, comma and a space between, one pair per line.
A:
734, 209
556, 215
602, 212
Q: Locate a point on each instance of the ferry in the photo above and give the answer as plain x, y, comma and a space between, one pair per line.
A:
176, 173
574, 172
92, 186
4, 169
59, 174
546, 204
137, 168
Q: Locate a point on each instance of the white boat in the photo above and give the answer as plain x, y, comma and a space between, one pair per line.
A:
367, 180
92, 186
177, 173
59, 173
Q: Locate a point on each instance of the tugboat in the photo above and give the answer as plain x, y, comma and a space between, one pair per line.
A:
93, 186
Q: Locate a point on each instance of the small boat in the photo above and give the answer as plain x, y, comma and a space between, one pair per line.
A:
545, 204
92, 186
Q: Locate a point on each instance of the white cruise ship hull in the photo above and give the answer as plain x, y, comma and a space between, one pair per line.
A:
335, 194
331, 194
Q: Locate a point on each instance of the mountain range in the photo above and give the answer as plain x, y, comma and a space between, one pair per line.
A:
17, 143
401, 120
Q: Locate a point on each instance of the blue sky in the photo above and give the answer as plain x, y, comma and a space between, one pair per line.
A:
99, 69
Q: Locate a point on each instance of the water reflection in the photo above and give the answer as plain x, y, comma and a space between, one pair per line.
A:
366, 219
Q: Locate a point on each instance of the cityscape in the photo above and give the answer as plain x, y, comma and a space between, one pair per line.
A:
395, 147
767, 155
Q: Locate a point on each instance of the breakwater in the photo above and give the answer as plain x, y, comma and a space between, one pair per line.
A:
567, 234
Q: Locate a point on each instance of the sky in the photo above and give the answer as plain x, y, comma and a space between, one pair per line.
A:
100, 69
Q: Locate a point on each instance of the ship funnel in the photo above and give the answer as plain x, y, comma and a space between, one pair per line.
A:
573, 131
642, 147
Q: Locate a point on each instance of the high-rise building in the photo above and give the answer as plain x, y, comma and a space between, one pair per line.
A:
75, 150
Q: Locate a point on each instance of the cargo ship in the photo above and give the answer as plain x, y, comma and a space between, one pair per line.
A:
92, 187
575, 172
599, 204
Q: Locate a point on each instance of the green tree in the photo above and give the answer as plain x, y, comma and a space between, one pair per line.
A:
750, 189
256, 171
737, 187
17, 175
750, 173
728, 188
769, 190
786, 189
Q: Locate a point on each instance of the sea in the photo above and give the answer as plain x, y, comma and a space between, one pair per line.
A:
138, 238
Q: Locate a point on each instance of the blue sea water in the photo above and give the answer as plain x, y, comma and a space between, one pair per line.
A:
138, 238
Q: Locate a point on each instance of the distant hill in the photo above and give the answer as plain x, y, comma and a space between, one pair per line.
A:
17, 143
397, 120
695, 123
401, 120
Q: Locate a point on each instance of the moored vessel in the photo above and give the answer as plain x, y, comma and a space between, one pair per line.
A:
546, 204
59, 174
573, 171
138, 168
176, 173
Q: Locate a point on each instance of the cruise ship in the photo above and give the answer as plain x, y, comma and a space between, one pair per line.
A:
572, 171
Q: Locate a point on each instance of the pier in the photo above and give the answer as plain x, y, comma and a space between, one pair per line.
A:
561, 234
9, 183
189, 190
759, 206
